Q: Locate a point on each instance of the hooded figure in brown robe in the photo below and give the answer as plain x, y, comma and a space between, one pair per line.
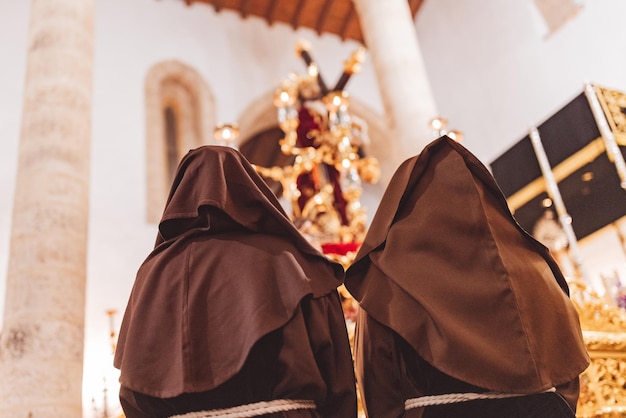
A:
456, 298
233, 310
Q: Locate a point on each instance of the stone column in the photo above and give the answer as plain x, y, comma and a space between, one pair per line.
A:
391, 39
41, 345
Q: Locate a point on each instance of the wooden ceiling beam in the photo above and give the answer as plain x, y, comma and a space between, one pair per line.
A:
321, 16
346, 22
321, 19
243, 8
295, 19
414, 5
217, 5
269, 12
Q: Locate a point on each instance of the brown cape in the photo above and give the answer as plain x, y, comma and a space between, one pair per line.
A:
214, 285
445, 265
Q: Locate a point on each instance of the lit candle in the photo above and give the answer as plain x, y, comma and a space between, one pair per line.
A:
226, 133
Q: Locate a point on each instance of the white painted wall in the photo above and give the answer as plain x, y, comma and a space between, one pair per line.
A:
495, 70
13, 33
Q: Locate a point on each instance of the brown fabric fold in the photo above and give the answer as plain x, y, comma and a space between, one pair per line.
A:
446, 267
220, 177
228, 268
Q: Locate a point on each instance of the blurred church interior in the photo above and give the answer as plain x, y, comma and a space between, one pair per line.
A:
101, 99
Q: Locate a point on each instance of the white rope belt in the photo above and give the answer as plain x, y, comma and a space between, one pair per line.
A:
448, 398
252, 409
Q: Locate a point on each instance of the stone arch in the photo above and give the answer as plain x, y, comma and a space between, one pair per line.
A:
177, 90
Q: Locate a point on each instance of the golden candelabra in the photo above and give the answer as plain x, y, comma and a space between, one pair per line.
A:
439, 125
324, 183
104, 411
226, 133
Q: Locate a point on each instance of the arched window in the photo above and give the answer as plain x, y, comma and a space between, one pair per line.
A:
171, 141
180, 115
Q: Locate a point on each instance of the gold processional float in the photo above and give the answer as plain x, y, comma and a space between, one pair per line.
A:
324, 184
603, 384
602, 316
323, 187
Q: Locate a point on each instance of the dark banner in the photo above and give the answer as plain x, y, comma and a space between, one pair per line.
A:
587, 179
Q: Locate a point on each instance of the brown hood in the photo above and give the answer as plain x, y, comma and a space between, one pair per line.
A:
445, 265
228, 268
221, 177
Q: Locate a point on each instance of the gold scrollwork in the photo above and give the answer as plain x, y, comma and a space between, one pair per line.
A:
614, 105
603, 383
602, 389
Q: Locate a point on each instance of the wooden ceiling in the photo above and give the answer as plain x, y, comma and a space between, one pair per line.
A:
323, 16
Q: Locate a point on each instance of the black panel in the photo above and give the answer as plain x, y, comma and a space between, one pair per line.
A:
516, 168
566, 132
592, 204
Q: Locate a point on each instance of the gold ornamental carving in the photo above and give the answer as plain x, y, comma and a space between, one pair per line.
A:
323, 185
603, 383
614, 105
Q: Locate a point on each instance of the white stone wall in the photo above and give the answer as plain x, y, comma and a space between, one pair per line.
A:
495, 69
